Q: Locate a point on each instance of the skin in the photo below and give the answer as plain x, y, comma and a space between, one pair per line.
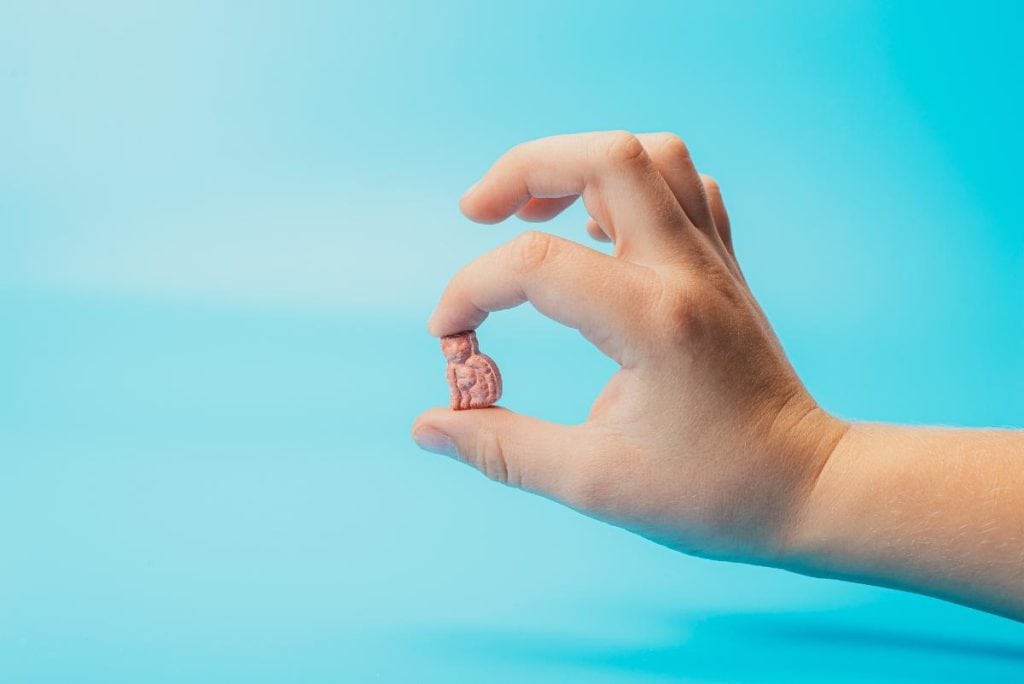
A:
706, 440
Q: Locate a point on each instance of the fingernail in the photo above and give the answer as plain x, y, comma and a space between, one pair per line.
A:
432, 439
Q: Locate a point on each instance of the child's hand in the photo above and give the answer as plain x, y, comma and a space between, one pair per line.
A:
705, 440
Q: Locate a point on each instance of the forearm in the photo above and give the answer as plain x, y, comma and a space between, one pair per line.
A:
936, 511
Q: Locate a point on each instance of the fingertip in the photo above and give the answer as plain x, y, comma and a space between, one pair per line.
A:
429, 437
434, 418
439, 425
450, 421
432, 327
473, 209
469, 191
465, 202
470, 206
487, 204
454, 314
596, 232
439, 326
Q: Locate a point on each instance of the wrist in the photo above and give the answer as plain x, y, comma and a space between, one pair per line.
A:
815, 439
803, 544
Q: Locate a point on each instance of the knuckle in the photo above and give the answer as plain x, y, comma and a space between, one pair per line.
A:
710, 184
672, 145
516, 158
681, 314
491, 456
531, 250
517, 151
622, 147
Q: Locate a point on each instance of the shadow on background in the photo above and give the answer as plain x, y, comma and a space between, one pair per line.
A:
750, 646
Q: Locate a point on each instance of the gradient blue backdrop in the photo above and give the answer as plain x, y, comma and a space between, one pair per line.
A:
222, 227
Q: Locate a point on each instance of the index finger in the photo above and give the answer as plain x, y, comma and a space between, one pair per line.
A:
597, 294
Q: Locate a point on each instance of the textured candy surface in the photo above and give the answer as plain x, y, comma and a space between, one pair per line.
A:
473, 378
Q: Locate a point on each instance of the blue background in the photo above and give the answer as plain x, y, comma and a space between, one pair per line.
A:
223, 225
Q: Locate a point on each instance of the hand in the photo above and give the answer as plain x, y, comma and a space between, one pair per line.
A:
705, 440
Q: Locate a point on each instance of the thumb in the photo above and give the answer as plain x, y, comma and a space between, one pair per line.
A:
508, 447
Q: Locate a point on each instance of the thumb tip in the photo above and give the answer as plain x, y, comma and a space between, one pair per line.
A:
439, 429
430, 438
